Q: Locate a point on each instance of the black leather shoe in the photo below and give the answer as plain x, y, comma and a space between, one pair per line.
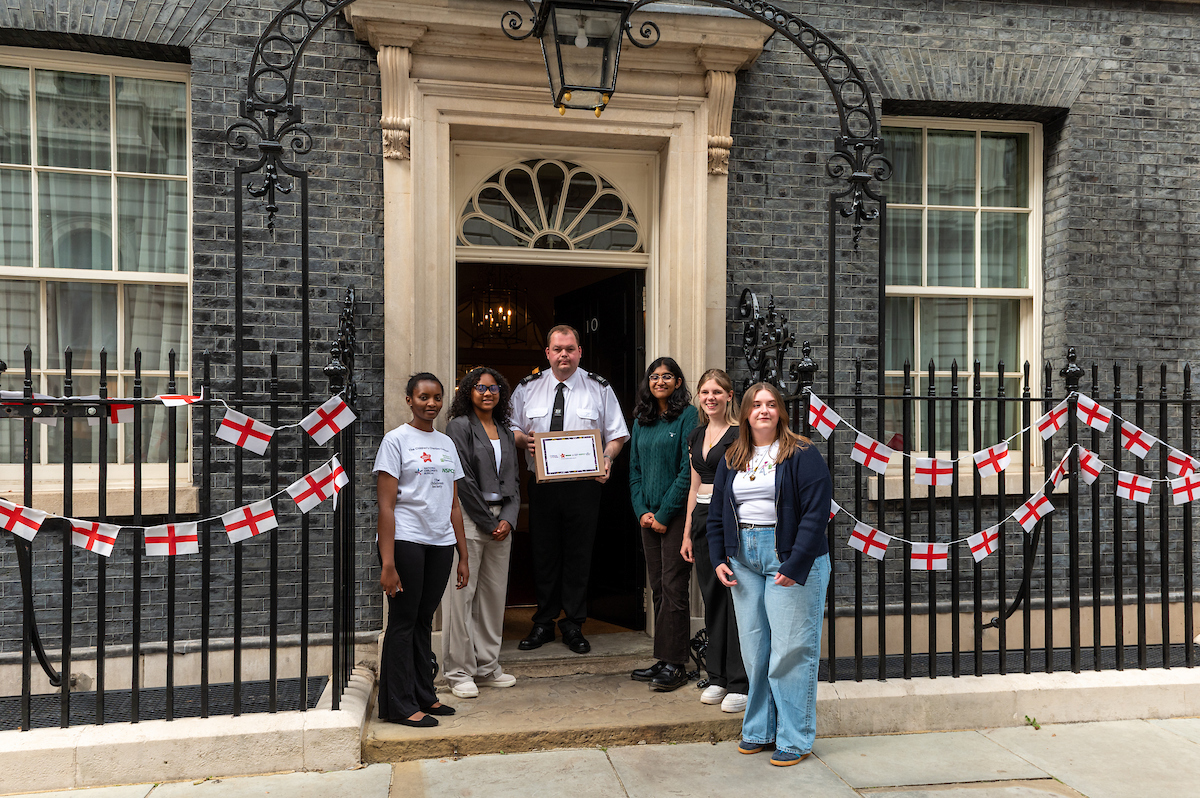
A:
538, 636
671, 677
427, 722
648, 674
440, 709
574, 640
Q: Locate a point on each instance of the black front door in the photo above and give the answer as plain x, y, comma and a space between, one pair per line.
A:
611, 321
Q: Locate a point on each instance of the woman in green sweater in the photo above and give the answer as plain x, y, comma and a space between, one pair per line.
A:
659, 477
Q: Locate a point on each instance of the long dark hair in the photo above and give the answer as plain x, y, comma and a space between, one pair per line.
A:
460, 405
645, 410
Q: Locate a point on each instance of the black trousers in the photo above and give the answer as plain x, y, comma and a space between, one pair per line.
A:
724, 659
670, 575
406, 664
562, 532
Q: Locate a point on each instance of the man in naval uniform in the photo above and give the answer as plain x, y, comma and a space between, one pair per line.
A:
563, 515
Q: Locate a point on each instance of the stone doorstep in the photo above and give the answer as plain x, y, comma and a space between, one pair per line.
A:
611, 710
611, 654
189, 748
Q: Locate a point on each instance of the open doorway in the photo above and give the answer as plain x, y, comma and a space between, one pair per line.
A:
503, 314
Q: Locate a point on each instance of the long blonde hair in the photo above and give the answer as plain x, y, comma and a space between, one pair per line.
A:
737, 457
726, 384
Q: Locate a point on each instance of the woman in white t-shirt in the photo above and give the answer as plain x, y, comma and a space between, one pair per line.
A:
420, 527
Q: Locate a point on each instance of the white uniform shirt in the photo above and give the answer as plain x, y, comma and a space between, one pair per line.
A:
588, 405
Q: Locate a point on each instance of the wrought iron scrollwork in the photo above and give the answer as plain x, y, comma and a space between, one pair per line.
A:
512, 21
647, 31
765, 340
340, 369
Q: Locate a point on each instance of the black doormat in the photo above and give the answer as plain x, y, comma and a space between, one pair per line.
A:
45, 711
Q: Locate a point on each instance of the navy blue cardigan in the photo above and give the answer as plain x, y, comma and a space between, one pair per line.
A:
803, 491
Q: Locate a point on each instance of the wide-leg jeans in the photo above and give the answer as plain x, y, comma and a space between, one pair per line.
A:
780, 631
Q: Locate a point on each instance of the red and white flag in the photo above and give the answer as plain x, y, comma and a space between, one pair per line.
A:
1180, 463
1137, 440
1092, 413
312, 489
1053, 421
241, 430
1134, 487
246, 522
49, 421
92, 536
834, 509
1032, 511
984, 543
992, 460
934, 472
328, 419
821, 416
1061, 469
179, 399
1186, 488
1089, 466
23, 522
871, 453
869, 541
118, 413
929, 556
171, 539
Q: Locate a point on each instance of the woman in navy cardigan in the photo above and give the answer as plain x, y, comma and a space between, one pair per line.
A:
766, 535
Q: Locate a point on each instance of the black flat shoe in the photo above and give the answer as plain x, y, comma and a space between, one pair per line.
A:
427, 722
574, 640
441, 709
671, 677
538, 636
648, 674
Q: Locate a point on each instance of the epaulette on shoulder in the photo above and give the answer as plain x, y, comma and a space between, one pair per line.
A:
598, 378
535, 375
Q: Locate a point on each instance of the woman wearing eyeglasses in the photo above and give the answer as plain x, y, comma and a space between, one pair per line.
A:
659, 478
490, 499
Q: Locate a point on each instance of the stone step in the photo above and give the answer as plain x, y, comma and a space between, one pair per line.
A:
611, 654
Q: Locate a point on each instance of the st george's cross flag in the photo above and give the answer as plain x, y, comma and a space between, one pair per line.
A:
1061, 469
118, 412
1053, 421
8, 397
1092, 413
1137, 440
984, 543
1134, 487
1089, 465
246, 522
834, 509
1180, 463
93, 536
929, 556
992, 460
1186, 488
871, 453
1032, 511
178, 399
312, 489
869, 541
23, 522
821, 416
328, 419
171, 539
241, 430
932, 472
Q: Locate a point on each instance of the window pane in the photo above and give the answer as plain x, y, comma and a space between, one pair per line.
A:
83, 317
942, 438
899, 345
951, 167
14, 115
156, 322
904, 247
951, 248
19, 323
16, 218
85, 440
902, 146
1012, 411
997, 333
151, 126
1004, 250
1004, 169
943, 332
155, 432
893, 420
75, 221
152, 220
73, 120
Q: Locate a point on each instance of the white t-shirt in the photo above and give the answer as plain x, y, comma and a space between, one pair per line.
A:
754, 487
426, 466
494, 497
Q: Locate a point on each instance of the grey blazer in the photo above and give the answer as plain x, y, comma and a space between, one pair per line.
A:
479, 466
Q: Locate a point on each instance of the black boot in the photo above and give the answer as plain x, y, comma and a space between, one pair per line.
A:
671, 677
648, 674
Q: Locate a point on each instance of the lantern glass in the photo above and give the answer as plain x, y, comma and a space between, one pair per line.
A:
582, 44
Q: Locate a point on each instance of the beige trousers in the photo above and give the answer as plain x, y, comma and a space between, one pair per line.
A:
474, 622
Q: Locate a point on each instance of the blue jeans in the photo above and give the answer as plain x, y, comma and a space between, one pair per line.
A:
780, 631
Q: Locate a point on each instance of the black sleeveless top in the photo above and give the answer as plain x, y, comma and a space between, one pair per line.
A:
706, 467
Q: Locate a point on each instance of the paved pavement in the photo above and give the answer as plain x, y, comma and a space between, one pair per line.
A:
1115, 759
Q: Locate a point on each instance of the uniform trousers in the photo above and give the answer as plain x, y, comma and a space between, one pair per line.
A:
562, 531
406, 663
475, 615
670, 576
723, 660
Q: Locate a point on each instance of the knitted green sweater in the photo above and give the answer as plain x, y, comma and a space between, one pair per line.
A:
659, 471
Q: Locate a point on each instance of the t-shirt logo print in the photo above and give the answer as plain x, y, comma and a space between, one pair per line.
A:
426, 457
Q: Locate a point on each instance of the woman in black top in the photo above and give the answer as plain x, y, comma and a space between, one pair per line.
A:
716, 430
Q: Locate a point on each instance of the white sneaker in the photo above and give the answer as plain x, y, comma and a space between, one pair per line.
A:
712, 694
734, 702
465, 690
499, 680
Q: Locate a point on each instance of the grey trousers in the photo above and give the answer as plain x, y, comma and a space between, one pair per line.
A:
474, 623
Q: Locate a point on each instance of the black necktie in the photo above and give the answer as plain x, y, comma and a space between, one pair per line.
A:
560, 406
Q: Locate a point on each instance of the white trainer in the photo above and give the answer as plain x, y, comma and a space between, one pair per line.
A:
465, 690
499, 680
734, 702
712, 694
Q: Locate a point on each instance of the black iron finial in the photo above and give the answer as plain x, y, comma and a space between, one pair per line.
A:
340, 369
765, 340
804, 370
1071, 373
